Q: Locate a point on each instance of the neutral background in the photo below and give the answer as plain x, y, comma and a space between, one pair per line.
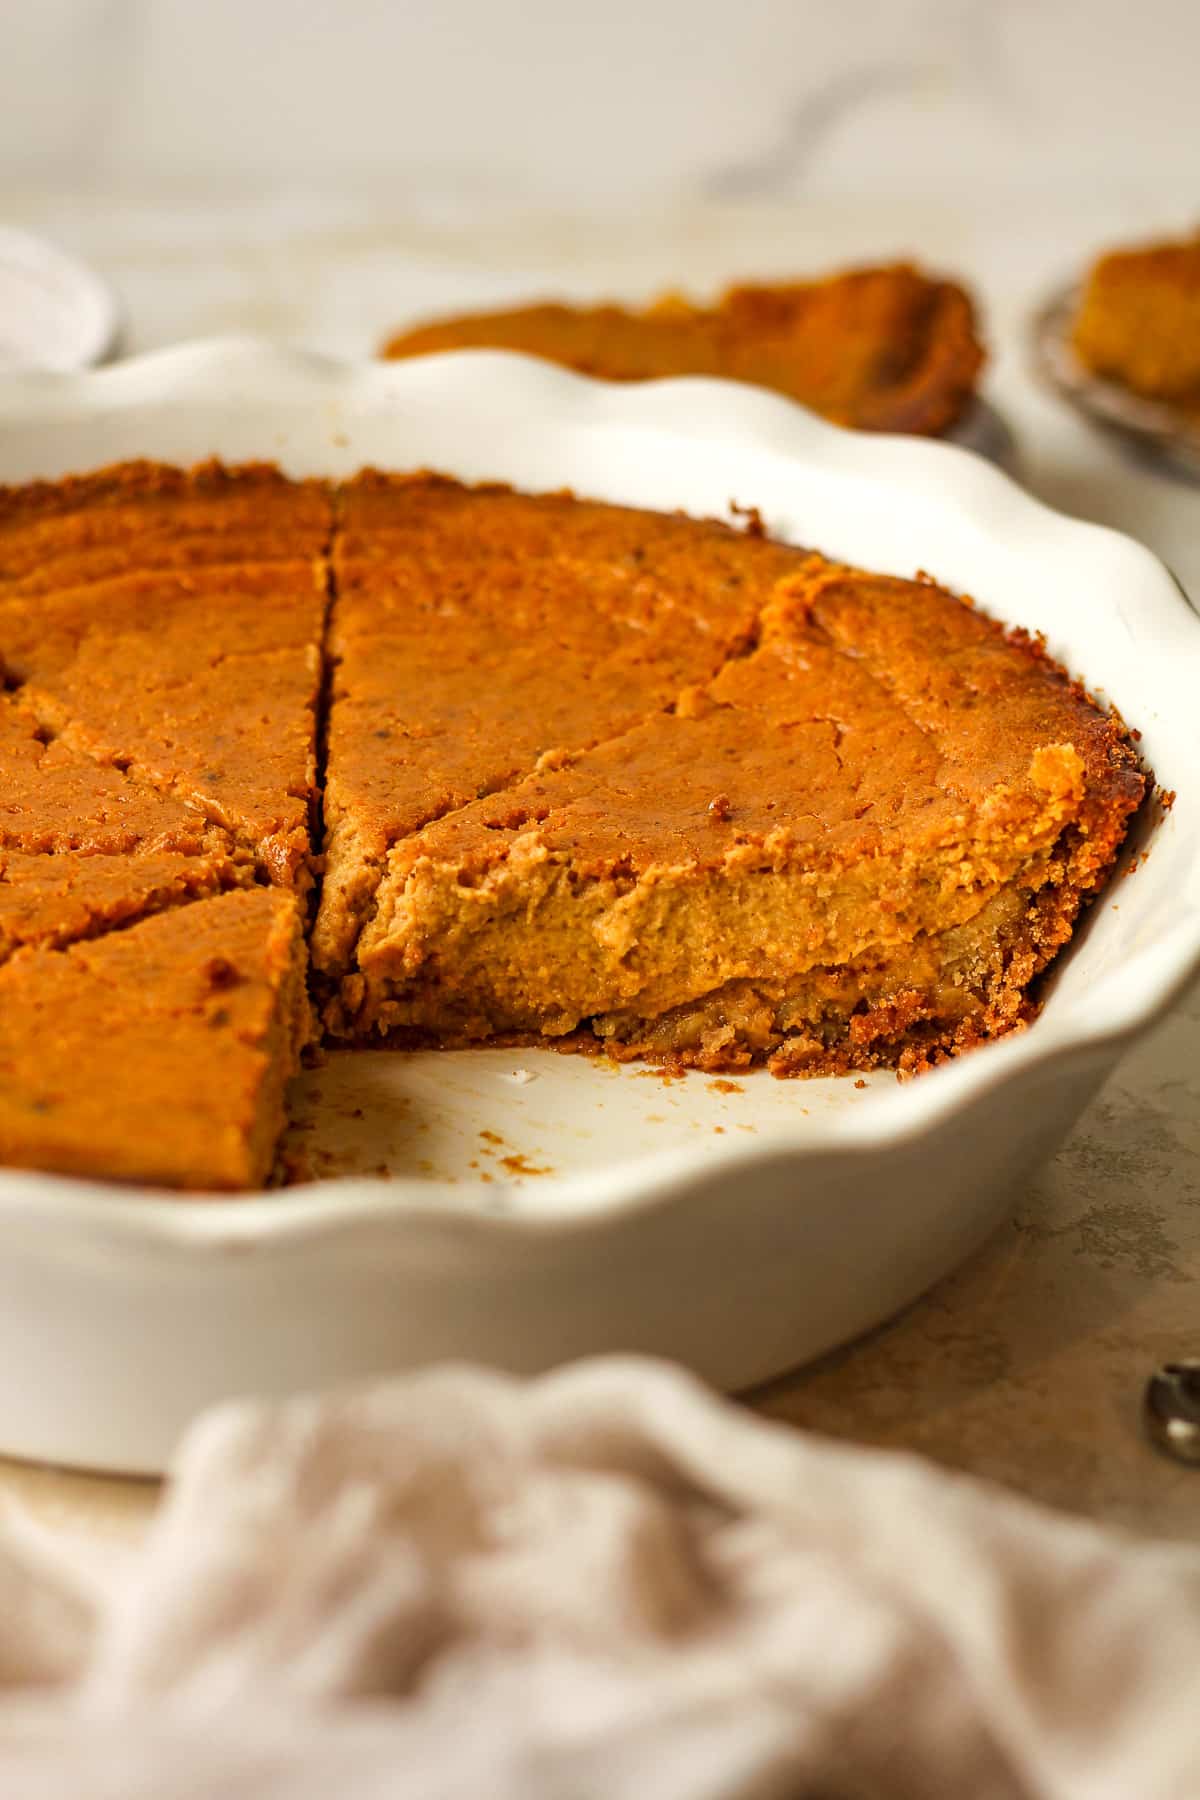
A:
550, 102
323, 172
467, 148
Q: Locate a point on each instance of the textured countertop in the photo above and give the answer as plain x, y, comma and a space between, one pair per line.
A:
1028, 1364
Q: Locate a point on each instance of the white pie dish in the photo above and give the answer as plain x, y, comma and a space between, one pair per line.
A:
820, 1208
55, 313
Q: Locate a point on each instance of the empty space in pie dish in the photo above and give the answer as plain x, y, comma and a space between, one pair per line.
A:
499, 1121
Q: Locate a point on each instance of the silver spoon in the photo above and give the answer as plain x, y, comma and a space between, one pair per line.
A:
1171, 1409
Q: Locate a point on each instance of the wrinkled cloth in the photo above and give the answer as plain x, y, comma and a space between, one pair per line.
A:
605, 1584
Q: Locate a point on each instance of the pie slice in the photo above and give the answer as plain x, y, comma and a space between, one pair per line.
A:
160, 642
1139, 321
84, 847
198, 677
157, 1054
884, 349
855, 846
56, 900
477, 633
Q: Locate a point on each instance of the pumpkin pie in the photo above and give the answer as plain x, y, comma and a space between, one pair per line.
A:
883, 349
594, 776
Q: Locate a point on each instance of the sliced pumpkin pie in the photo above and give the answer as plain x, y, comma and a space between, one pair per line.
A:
596, 776
84, 847
169, 626
158, 1054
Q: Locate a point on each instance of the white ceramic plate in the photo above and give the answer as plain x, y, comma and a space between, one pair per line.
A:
738, 1231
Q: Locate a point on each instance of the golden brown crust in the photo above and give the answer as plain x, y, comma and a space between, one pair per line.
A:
881, 349
1138, 321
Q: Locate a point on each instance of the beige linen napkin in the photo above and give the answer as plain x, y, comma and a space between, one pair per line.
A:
602, 1585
